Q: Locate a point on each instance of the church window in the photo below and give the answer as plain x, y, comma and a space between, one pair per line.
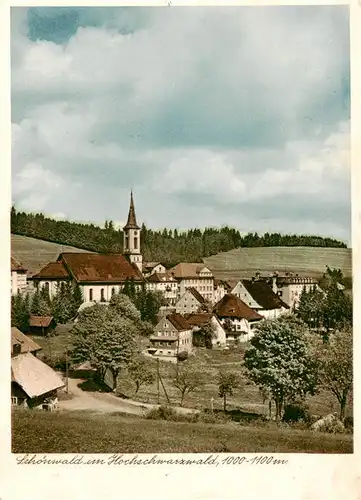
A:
102, 298
46, 286
136, 243
113, 291
90, 295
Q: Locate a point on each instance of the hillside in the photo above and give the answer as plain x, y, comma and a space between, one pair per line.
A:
309, 261
35, 254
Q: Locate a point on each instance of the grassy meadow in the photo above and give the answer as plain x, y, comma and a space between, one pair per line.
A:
74, 432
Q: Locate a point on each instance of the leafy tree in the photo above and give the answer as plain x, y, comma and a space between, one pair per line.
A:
141, 372
122, 305
187, 380
337, 311
204, 336
335, 370
105, 339
20, 312
311, 307
77, 296
278, 359
227, 382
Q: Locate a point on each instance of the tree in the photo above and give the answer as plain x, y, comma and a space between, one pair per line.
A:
227, 382
105, 339
20, 313
311, 307
122, 305
337, 311
40, 305
141, 372
278, 359
335, 372
187, 380
77, 295
204, 336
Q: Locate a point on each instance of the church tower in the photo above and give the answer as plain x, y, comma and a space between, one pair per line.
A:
132, 237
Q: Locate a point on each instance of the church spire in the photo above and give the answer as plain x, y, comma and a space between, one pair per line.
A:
132, 221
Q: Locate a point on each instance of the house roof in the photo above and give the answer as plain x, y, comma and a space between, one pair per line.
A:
40, 321
27, 344
52, 270
132, 220
34, 376
198, 319
92, 267
150, 265
15, 266
263, 294
187, 270
160, 278
163, 337
196, 294
179, 322
231, 306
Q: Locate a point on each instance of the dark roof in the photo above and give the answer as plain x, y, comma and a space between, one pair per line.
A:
296, 280
92, 267
232, 307
263, 294
160, 278
179, 322
15, 266
52, 270
27, 344
225, 284
40, 321
196, 294
198, 319
132, 221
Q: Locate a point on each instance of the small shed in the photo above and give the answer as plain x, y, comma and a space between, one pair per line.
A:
41, 325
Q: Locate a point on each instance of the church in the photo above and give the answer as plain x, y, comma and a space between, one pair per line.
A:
99, 276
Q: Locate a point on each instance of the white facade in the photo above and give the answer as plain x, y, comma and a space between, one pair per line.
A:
168, 341
18, 282
219, 292
167, 286
291, 292
241, 330
51, 285
132, 247
187, 304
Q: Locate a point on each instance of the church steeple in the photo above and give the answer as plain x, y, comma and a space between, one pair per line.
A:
132, 220
132, 237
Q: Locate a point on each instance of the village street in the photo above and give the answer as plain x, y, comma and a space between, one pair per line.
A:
105, 402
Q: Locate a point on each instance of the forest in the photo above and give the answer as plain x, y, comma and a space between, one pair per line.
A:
168, 246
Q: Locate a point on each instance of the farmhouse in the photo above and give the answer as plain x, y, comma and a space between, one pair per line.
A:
173, 335
18, 277
258, 295
150, 268
238, 319
190, 302
21, 344
195, 275
200, 320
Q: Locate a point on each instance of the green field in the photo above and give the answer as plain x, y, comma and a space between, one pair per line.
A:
310, 261
35, 254
81, 432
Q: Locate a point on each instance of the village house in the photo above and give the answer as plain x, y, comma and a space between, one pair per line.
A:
190, 302
194, 275
259, 296
221, 288
41, 325
200, 320
33, 383
290, 287
150, 268
164, 283
18, 277
173, 335
238, 319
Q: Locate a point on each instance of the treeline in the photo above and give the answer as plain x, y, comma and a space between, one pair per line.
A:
168, 246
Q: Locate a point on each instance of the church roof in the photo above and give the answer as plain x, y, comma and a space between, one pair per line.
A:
15, 266
132, 221
53, 270
92, 267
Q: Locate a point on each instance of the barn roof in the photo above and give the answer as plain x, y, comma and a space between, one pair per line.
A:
179, 322
232, 307
187, 270
198, 319
27, 344
263, 294
92, 267
196, 294
53, 270
33, 376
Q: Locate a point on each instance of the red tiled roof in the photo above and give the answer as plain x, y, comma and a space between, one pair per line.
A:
198, 319
232, 307
196, 294
263, 294
52, 270
179, 322
27, 344
40, 321
92, 267
187, 270
160, 278
15, 266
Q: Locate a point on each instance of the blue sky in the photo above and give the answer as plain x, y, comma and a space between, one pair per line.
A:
214, 116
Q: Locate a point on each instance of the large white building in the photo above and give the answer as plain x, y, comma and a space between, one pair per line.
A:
194, 275
18, 278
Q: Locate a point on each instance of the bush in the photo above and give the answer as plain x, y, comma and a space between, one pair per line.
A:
296, 412
163, 413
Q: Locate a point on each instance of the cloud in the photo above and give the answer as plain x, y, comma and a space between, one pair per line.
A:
227, 111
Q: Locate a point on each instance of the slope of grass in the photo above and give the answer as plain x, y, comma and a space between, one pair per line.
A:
35, 254
63, 432
302, 260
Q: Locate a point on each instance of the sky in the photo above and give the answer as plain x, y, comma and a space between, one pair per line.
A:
214, 116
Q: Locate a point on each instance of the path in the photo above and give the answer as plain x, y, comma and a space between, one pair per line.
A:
105, 402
